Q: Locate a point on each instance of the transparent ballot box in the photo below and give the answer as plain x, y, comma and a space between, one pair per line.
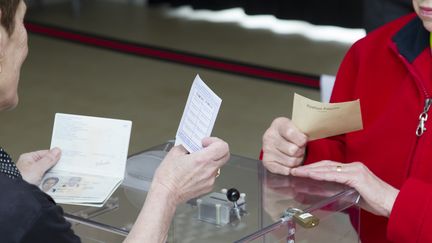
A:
248, 204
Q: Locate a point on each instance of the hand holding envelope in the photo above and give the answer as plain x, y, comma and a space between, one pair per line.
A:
284, 142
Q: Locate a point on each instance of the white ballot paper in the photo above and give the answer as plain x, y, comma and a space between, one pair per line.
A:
93, 159
199, 116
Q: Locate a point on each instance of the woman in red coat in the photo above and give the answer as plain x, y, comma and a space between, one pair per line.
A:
389, 162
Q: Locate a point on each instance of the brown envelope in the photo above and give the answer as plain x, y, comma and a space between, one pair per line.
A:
320, 120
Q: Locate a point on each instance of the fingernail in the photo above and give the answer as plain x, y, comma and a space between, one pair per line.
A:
56, 151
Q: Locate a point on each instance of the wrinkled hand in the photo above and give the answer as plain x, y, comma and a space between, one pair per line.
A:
283, 146
377, 196
185, 175
33, 165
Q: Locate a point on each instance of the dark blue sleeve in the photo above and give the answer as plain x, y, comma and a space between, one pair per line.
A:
29, 215
51, 226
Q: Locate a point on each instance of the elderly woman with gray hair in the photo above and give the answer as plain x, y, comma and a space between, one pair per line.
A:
29, 215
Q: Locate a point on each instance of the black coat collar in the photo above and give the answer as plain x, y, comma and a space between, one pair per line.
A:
412, 39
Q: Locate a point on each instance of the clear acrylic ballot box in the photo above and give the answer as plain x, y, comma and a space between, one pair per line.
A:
248, 204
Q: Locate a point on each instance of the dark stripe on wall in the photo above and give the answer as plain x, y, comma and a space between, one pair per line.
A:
170, 55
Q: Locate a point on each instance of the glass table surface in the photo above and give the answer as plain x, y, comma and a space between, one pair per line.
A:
270, 207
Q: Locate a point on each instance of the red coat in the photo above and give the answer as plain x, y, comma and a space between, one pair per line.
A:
390, 71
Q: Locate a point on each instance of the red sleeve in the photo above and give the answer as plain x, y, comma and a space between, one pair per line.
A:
325, 149
344, 90
410, 219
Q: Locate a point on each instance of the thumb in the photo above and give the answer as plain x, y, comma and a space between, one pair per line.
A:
215, 147
209, 141
291, 133
49, 159
178, 151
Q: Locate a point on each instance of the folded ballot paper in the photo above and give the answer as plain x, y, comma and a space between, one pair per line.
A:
93, 160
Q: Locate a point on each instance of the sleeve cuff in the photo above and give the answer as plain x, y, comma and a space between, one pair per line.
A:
411, 213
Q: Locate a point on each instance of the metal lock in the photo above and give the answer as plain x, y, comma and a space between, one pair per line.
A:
306, 220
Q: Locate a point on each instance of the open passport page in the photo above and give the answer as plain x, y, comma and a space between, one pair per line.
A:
93, 159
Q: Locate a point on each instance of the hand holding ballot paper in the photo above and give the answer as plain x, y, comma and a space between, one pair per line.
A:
198, 117
93, 160
284, 142
182, 175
